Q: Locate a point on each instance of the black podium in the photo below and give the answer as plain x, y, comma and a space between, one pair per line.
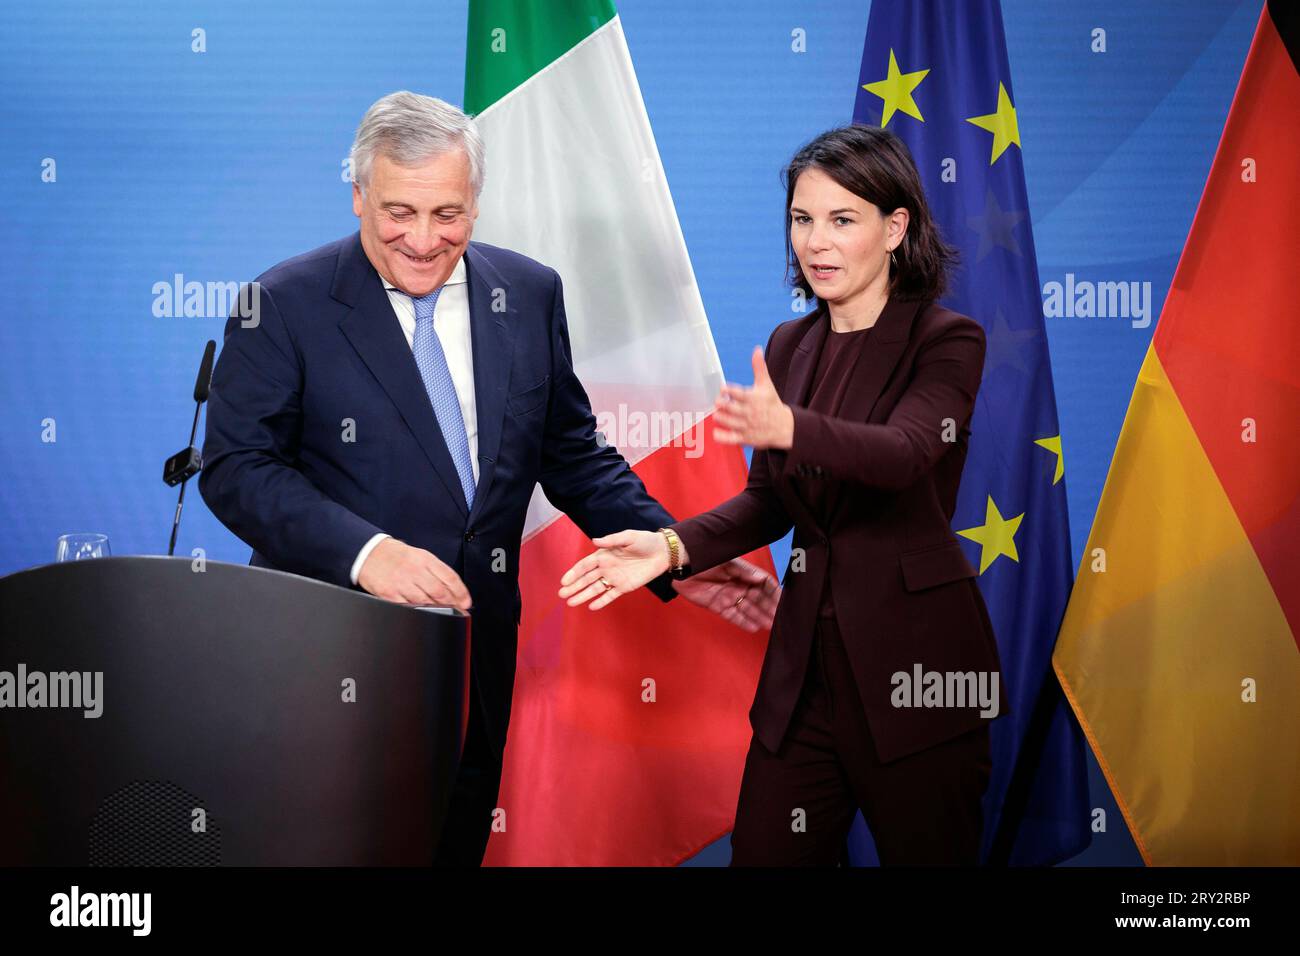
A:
248, 718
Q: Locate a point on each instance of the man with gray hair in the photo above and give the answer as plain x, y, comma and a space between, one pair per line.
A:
384, 422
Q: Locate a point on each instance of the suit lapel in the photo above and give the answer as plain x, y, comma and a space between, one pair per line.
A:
493, 347
373, 330
883, 348
877, 361
889, 337
803, 363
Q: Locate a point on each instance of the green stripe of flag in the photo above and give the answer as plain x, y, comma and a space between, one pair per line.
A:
510, 40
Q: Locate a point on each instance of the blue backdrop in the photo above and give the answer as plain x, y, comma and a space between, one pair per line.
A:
133, 162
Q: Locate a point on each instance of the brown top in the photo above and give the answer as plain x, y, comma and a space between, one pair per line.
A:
830, 381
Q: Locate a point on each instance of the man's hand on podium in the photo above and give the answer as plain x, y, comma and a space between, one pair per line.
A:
395, 571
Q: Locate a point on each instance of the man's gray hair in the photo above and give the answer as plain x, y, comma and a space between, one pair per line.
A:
410, 129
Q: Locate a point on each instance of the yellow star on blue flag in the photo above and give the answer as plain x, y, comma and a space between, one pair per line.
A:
896, 90
996, 536
1001, 124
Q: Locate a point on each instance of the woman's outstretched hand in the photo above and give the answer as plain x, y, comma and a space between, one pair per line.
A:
738, 592
626, 561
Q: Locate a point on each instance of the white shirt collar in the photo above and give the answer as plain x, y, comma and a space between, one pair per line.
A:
457, 276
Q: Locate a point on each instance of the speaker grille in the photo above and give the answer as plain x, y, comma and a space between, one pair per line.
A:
148, 823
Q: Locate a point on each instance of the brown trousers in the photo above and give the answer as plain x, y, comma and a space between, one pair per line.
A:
922, 809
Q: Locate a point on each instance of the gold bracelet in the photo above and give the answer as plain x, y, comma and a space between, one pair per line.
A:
674, 548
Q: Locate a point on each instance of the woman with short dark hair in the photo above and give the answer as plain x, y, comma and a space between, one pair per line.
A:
859, 418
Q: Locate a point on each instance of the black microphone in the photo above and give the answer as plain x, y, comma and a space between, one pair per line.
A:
186, 463
204, 381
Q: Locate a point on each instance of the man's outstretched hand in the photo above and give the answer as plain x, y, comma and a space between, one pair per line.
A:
739, 592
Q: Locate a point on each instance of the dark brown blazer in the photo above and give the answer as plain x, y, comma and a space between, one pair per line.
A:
904, 593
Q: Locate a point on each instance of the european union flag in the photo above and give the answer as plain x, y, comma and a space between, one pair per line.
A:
935, 73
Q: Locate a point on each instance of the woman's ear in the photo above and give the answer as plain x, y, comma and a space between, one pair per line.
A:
897, 228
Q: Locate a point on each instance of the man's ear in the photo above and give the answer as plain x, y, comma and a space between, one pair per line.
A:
357, 199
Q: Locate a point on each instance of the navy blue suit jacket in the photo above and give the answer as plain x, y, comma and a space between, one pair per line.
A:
328, 355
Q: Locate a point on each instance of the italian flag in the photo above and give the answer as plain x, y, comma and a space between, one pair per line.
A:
1179, 647
629, 725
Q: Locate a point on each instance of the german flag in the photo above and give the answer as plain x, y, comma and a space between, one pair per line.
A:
1178, 651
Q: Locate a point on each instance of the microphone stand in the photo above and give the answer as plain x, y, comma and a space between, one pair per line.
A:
180, 501
186, 463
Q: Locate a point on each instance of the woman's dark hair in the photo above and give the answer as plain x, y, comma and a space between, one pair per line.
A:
874, 164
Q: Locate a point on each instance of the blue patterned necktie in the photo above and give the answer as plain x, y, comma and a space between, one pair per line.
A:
432, 362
